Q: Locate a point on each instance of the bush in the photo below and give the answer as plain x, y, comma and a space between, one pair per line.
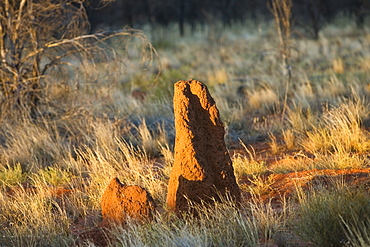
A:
38, 38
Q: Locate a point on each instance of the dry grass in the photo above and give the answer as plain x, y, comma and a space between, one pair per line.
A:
289, 139
274, 145
299, 162
340, 209
339, 141
219, 225
247, 165
90, 130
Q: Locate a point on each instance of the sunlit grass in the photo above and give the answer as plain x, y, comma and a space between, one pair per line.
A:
338, 132
91, 129
222, 224
332, 217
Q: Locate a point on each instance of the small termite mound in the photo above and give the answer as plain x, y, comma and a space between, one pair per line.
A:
125, 202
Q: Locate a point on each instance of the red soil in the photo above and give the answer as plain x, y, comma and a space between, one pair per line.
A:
285, 185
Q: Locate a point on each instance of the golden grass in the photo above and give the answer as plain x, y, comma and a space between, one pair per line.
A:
220, 225
299, 162
90, 130
338, 131
264, 98
289, 139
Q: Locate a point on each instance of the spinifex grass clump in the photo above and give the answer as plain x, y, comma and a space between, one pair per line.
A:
244, 166
358, 232
339, 131
330, 217
11, 175
338, 140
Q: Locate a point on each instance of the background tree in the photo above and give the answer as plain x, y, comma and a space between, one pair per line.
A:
282, 12
28, 30
360, 9
313, 15
37, 36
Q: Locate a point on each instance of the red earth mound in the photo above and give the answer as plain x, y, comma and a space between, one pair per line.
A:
122, 202
202, 168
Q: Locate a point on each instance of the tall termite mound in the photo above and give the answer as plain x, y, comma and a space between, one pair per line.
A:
202, 169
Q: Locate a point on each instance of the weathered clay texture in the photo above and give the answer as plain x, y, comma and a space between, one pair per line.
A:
120, 202
202, 168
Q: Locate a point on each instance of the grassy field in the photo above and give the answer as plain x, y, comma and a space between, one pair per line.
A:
104, 120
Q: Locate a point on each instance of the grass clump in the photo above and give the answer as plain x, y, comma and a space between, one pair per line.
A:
299, 162
54, 176
338, 140
331, 217
339, 132
219, 225
271, 223
32, 219
358, 232
247, 165
12, 175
